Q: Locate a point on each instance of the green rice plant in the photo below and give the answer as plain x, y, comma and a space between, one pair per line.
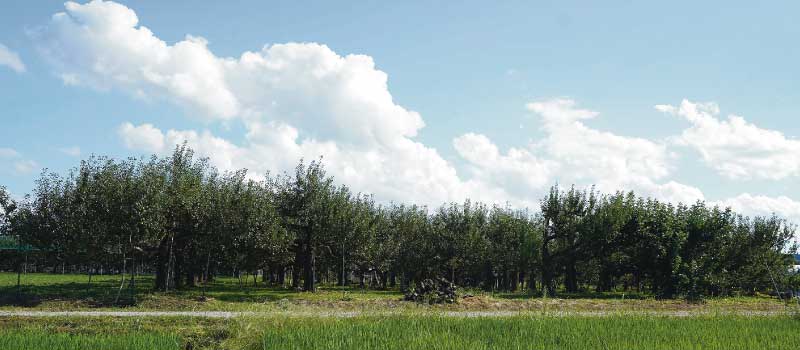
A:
573, 332
39, 340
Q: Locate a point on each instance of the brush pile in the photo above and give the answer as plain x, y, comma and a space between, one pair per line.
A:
433, 291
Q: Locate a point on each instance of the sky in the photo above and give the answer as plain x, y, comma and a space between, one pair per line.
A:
419, 102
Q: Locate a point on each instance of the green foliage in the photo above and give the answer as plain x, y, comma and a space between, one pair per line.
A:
180, 219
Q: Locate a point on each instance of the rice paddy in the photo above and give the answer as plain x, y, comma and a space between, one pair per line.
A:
337, 318
41, 340
405, 332
533, 333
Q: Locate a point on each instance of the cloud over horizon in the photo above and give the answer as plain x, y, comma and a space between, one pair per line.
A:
303, 100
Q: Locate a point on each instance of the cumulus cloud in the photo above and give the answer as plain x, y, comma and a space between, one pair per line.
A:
519, 170
573, 153
11, 59
619, 161
406, 171
101, 44
144, 137
72, 151
303, 100
749, 204
295, 100
734, 147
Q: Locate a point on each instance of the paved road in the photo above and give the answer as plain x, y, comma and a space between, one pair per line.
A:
345, 314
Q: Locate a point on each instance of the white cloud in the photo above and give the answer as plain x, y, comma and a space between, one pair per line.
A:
295, 100
8, 153
100, 44
25, 166
143, 137
518, 170
573, 153
735, 148
302, 100
11, 59
587, 154
73, 151
404, 171
13, 160
752, 205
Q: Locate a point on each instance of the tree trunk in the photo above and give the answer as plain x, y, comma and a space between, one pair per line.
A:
309, 278
548, 287
205, 273
309, 275
340, 278
162, 264
190, 277
19, 276
296, 276
571, 280
177, 269
122, 282
384, 279
281, 275
89, 286
604, 278
132, 283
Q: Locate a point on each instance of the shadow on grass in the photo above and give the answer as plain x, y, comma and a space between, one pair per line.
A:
579, 295
22, 300
102, 292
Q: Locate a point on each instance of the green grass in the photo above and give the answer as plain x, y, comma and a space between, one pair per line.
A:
112, 332
385, 322
73, 292
612, 332
63, 341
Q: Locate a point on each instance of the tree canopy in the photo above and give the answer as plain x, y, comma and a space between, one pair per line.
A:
181, 219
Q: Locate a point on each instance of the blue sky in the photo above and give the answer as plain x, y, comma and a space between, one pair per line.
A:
492, 102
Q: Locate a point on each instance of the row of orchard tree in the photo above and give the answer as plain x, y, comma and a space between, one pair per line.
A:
180, 219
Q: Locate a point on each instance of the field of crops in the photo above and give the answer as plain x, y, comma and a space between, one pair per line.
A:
63, 341
532, 333
336, 318
404, 331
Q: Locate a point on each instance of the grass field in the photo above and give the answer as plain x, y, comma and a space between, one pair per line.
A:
405, 332
116, 333
533, 333
63, 341
73, 292
298, 320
